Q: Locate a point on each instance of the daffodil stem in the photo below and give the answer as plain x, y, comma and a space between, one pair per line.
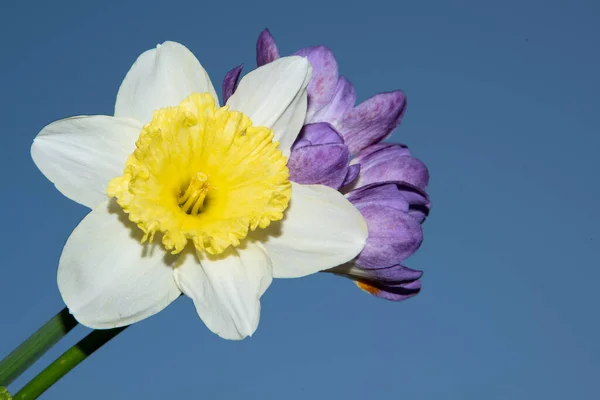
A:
35, 346
65, 363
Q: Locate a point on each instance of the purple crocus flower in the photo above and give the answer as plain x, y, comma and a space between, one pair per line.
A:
340, 146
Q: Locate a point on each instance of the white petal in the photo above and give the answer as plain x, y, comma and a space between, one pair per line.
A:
274, 96
107, 278
161, 77
289, 124
320, 229
81, 154
226, 290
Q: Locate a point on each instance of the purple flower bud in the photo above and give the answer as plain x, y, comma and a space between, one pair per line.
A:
319, 156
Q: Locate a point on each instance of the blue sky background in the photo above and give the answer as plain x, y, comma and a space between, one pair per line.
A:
503, 100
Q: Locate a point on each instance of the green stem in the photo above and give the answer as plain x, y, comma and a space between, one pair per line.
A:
66, 362
33, 348
5, 394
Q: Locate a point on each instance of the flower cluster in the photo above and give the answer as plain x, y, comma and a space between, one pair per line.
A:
288, 178
340, 146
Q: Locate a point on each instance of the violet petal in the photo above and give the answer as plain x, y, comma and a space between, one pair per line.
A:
379, 195
342, 101
399, 150
393, 236
373, 120
394, 293
230, 82
389, 162
405, 169
420, 214
420, 204
324, 164
319, 133
392, 283
413, 194
324, 80
416, 198
394, 275
352, 174
266, 49
299, 143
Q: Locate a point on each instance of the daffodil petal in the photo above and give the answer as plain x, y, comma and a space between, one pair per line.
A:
159, 78
226, 289
320, 230
107, 278
290, 123
274, 96
80, 155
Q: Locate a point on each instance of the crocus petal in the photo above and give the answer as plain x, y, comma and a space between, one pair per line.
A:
353, 171
159, 78
320, 230
299, 143
80, 155
226, 289
420, 204
230, 82
107, 278
372, 121
385, 194
419, 214
395, 274
394, 283
324, 79
390, 162
412, 199
342, 101
325, 164
319, 133
394, 235
397, 292
399, 150
266, 49
319, 157
275, 96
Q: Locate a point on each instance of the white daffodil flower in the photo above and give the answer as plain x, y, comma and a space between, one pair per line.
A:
189, 197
